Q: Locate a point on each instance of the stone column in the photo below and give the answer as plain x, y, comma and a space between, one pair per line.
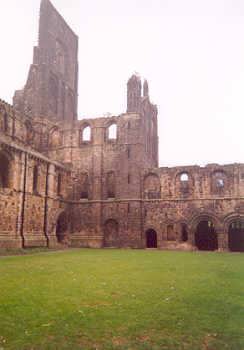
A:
22, 173
51, 193
223, 241
191, 238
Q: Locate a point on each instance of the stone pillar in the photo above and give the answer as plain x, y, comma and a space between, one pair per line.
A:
22, 173
191, 238
223, 241
51, 193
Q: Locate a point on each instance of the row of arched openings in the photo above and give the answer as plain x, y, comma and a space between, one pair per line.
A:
206, 237
6, 171
151, 236
184, 184
83, 190
110, 134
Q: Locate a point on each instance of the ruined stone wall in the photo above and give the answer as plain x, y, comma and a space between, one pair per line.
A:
172, 202
96, 182
106, 169
185, 196
29, 207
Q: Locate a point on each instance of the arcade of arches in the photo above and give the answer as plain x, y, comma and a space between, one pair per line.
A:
205, 236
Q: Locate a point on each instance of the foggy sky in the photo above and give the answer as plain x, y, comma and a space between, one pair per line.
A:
191, 52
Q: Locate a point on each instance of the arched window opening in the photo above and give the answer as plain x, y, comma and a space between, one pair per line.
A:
184, 233
60, 57
59, 185
219, 180
171, 233
86, 134
184, 183
112, 132
110, 182
55, 138
236, 236
206, 236
4, 171
184, 177
152, 188
84, 181
35, 179
151, 239
111, 233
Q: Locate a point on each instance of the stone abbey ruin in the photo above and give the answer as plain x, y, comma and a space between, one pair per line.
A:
96, 182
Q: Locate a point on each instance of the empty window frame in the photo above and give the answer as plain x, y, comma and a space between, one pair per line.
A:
112, 132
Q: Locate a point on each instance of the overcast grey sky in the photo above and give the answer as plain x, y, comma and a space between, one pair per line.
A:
191, 52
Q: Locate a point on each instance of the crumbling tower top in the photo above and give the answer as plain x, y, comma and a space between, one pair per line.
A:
51, 89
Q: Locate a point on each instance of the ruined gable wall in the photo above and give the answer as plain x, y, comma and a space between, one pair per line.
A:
51, 88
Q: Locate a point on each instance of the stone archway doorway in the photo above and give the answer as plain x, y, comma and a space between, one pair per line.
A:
206, 236
151, 239
236, 236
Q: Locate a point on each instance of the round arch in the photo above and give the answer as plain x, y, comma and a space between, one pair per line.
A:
85, 133
204, 228
234, 228
151, 186
184, 183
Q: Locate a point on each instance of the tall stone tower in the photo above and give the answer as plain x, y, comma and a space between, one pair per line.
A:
51, 87
134, 94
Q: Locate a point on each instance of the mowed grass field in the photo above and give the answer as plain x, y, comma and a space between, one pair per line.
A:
122, 299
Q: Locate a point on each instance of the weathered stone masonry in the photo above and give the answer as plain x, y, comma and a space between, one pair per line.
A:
96, 182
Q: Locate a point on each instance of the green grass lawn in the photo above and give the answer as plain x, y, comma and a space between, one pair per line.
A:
122, 299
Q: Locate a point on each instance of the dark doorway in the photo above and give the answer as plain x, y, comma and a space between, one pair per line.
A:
206, 237
236, 236
151, 237
61, 227
184, 233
